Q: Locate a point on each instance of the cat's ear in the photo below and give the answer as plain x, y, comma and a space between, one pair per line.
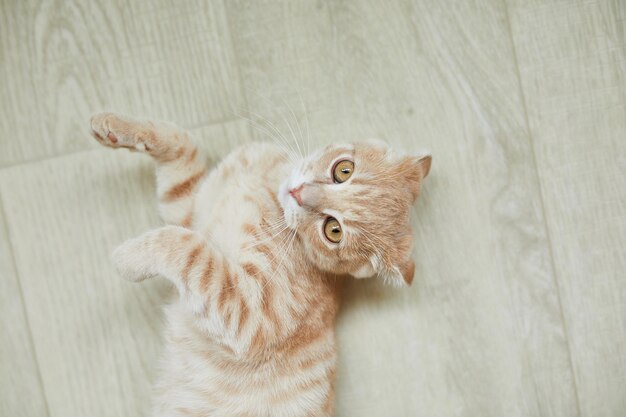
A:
407, 270
398, 275
415, 169
423, 162
367, 270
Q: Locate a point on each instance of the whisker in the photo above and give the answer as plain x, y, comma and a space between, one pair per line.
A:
282, 244
282, 250
275, 129
297, 125
267, 239
306, 119
273, 227
282, 116
285, 252
290, 152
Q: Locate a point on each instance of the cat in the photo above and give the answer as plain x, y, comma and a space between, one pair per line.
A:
257, 248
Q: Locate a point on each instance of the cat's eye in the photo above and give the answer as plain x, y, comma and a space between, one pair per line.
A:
332, 230
343, 170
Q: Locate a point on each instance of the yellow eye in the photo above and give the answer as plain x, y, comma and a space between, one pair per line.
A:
343, 170
332, 230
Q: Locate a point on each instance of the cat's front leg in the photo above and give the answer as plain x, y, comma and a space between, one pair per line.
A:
180, 166
222, 293
169, 251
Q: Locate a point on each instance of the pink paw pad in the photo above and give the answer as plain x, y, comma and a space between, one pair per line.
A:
112, 137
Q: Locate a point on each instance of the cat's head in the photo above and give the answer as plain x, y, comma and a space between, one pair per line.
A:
350, 205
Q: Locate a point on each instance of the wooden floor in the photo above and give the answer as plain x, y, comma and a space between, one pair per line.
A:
519, 303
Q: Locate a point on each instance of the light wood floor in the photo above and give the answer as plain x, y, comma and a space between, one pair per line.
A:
519, 303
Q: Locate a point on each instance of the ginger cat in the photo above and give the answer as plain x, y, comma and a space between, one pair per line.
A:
256, 248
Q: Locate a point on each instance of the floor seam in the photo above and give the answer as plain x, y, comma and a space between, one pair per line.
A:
88, 150
542, 202
24, 309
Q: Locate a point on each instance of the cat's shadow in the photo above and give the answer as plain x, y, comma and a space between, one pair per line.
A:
373, 293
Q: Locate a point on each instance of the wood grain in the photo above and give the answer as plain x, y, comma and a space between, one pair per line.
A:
97, 333
517, 307
217, 140
481, 333
19, 372
572, 61
64, 60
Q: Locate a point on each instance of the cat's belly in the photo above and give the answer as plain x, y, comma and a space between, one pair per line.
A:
200, 378
240, 191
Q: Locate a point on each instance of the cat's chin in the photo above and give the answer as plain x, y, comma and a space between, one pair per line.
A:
291, 213
289, 206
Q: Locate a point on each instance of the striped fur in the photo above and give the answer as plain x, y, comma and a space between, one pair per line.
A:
252, 332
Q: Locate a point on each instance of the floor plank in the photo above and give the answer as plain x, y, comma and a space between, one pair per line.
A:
481, 333
65, 60
518, 304
572, 59
96, 333
19, 372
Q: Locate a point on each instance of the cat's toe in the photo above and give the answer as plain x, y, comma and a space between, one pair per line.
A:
101, 130
112, 130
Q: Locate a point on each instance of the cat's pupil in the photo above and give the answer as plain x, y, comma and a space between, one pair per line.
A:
335, 230
346, 170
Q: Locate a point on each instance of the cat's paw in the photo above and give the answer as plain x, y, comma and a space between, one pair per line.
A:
116, 131
132, 262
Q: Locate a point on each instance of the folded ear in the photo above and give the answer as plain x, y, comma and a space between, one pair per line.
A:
415, 169
398, 275
407, 270
367, 270
423, 162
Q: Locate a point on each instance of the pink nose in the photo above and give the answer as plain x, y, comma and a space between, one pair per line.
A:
295, 193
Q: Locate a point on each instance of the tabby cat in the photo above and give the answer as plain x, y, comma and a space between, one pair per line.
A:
257, 248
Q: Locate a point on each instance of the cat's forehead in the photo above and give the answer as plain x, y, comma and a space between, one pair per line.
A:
368, 152
331, 153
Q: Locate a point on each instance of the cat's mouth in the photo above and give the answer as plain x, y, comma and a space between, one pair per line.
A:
289, 204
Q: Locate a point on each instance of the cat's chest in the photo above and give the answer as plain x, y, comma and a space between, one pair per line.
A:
239, 194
